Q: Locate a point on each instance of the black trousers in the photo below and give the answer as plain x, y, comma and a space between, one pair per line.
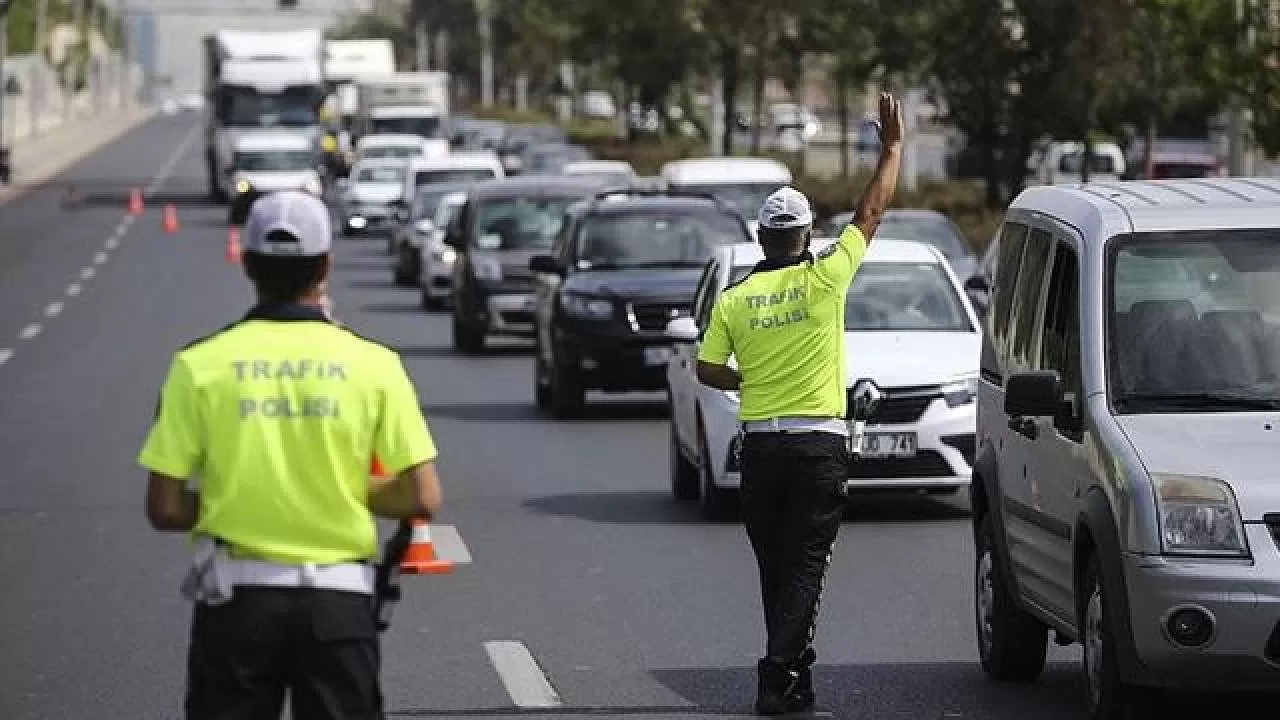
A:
793, 500
320, 645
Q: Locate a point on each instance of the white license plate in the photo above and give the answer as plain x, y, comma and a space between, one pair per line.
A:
657, 355
883, 445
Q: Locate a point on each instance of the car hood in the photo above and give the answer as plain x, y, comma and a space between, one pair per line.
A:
380, 193
1237, 448
278, 180
665, 284
911, 359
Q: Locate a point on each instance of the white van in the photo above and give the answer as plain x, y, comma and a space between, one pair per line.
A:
741, 182
1062, 162
452, 168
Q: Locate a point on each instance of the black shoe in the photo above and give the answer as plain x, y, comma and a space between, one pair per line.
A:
783, 689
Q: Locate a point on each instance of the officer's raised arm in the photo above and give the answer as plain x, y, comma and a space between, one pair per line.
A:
875, 200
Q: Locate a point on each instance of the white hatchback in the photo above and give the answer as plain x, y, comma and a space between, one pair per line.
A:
909, 329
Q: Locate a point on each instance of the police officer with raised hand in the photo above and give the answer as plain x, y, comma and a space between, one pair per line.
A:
275, 421
784, 325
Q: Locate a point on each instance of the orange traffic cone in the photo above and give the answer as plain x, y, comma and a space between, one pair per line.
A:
170, 219
233, 247
420, 558
135, 202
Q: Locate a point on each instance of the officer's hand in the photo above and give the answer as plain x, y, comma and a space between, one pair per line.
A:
890, 126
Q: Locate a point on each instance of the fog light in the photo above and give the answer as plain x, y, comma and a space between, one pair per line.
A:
589, 363
357, 222
1190, 626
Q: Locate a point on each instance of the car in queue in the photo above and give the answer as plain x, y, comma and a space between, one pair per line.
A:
437, 258
614, 172
268, 161
399, 146
368, 196
458, 167
550, 159
623, 266
419, 230
520, 137
1124, 494
501, 226
912, 341
742, 182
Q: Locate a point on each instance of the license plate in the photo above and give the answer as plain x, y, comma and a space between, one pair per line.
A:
883, 445
657, 355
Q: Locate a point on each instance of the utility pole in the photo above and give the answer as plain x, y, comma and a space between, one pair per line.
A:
4, 92
484, 11
420, 45
1238, 112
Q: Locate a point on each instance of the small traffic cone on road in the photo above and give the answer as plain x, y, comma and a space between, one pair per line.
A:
135, 202
170, 219
420, 558
233, 246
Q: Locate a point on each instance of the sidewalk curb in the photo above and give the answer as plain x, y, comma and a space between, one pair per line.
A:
87, 144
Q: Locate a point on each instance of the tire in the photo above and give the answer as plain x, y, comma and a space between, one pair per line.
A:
717, 503
1107, 695
1011, 642
466, 339
568, 396
684, 474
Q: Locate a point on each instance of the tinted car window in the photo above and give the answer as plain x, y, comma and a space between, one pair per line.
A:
512, 223
1035, 261
902, 297
434, 177
380, 175
1060, 343
937, 231
276, 161
393, 151
644, 239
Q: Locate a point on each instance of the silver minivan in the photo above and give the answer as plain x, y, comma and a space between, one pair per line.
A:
1126, 488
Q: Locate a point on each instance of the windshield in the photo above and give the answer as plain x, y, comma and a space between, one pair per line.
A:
653, 240
746, 198
452, 175
514, 223
427, 127
1195, 321
1169, 171
392, 151
276, 161
1101, 164
937, 231
245, 107
904, 297
380, 175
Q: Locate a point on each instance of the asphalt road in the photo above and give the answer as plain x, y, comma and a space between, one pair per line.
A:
629, 605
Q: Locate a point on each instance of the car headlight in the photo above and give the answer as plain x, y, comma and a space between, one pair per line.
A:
448, 255
312, 185
1198, 516
243, 186
960, 392
587, 307
487, 269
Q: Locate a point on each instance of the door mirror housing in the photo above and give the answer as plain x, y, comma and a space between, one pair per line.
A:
546, 264
683, 329
1033, 394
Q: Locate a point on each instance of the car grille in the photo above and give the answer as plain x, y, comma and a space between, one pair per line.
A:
653, 317
926, 463
901, 405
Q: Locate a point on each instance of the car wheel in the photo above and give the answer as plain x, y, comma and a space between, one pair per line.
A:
717, 503
1107, 695
684, 474
466, 339
1011, 642
568, 396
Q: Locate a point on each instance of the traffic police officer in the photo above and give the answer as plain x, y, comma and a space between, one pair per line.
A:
784, 325
276, 419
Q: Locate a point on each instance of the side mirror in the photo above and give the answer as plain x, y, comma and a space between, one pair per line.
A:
425, 226
683, 329
1033, 394
545, 264
976, 283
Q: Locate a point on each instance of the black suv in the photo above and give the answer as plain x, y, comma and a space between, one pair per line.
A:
502, 225
626, 263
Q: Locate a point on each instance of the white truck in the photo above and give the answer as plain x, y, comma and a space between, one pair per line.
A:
349, 62
259, 79
416, 103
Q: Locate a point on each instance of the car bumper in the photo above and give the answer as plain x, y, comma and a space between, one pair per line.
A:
944, 452
436, 276
365, 220
509, 314
617, 364
1242, 597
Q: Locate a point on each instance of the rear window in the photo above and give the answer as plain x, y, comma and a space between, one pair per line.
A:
431, 177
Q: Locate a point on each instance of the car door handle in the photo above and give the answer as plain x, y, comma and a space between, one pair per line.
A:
1025, 427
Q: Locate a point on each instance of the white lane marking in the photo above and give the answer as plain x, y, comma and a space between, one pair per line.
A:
53, 309
73, 289
525, 682
30, 331
113, 242
123, 227
449, 546
127, 221
5, 354
86, 273
100, 258
167, 169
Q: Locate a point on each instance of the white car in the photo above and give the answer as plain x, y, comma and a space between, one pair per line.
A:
741, 182
909, 329
370, 194
400, 146
464, 167
436, 278
613, 171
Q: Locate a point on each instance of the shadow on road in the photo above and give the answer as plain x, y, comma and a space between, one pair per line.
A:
362, 265
903, 507
386, 284
526, 412
619, 508
441, 351
393, 308
119, 197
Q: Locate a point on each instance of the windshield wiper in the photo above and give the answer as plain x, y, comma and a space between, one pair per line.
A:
1204, 400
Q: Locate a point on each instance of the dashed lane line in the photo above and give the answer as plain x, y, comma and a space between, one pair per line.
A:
524, 680
113, 242
178, 153
53, 309
30, 331
86, 273
73, 289
5, 354
100, 258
